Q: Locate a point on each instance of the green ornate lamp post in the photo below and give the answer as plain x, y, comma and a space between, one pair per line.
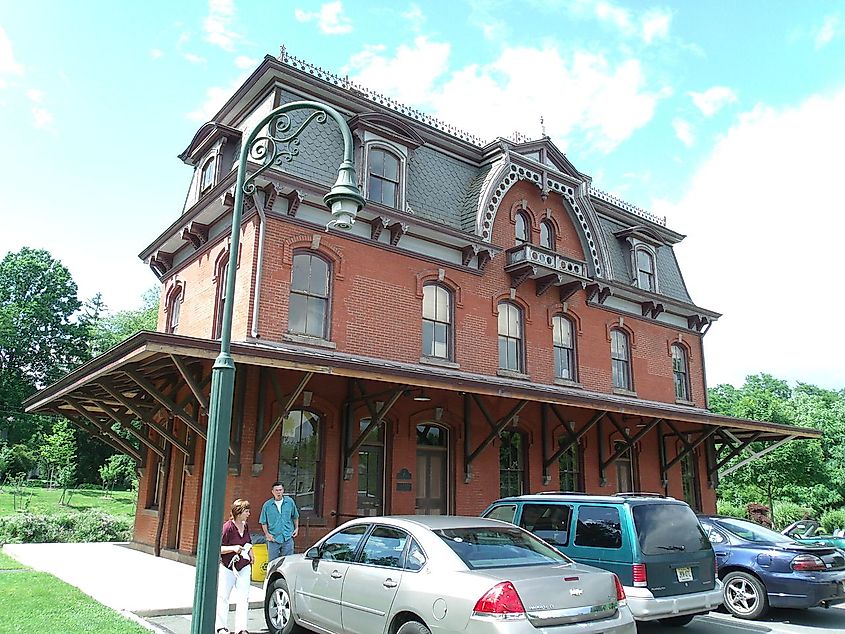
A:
279, 145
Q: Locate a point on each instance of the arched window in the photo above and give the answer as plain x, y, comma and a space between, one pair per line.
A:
437, 322
432, 470
510, 337
511, 463
299, 458
220, 296
207, 180
620, 359
308, 313
547, 235
383, 182
174, 308
569, 468
645, 270
680, 369
564, 345
523, 229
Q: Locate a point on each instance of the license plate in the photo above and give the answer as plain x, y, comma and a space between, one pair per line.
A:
684, 574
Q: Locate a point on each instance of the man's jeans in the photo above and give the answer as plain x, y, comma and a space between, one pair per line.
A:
279, 549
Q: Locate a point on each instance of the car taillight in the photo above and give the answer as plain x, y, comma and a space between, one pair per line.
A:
501, 601
807, 563
638, 573
620, 591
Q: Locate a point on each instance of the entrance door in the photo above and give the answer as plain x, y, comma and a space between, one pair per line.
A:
371, 472
432, 470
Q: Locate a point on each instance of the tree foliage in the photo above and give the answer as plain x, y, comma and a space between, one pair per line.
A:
108, 330
805, 472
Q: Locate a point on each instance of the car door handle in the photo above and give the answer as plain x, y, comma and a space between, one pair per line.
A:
718, 554
336, 574
390, 583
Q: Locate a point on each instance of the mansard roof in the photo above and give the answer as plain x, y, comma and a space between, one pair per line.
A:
454, 179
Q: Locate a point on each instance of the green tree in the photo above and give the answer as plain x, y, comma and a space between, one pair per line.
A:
107, 330
39, 340
58, 454
806, 472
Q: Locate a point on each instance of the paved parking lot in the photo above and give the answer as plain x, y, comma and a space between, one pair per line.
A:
814, 621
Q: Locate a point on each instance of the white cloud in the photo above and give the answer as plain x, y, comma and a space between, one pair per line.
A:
619, 17
215, 97
217, 24
35, 95
415, 16
684, 132
330, 18
242, 61
713, 99
655, 25
409, 76
41, 118
194, 59
156, 53
8, 64
764, 243
831, 27
606, 103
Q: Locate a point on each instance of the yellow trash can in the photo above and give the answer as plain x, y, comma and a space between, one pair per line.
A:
259, 565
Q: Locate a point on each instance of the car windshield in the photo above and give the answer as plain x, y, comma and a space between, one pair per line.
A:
752, 532
664, 528
504, 547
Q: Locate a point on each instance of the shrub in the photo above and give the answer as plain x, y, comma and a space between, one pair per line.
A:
833, 520
91, 526
15, 460
786, 512
730, 509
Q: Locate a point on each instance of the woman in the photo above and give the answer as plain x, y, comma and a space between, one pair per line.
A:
235, 569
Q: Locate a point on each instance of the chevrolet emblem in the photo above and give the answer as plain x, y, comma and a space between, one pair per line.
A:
576, 592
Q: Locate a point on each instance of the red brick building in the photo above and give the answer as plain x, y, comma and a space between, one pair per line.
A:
492, 324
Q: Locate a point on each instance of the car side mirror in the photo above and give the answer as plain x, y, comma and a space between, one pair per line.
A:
312, 553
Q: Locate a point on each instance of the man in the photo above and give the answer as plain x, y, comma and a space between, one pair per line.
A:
280, 522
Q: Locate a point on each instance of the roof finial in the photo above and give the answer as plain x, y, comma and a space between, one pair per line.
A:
283, 53
542, 126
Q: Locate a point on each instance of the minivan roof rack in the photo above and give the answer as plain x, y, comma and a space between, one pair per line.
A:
640, 494
561, 493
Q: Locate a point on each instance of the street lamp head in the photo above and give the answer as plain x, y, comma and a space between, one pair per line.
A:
344, 200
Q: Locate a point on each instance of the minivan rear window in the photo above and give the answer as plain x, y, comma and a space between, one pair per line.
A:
665, 528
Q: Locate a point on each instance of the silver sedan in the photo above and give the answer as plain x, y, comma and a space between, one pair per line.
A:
439, 574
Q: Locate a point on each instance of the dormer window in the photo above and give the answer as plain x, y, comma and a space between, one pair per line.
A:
207, 181
522, 230
645, 270
547, 235
383, 182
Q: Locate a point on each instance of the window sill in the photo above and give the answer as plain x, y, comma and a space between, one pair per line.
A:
309, 341
568, 383
443, 363
680, 401
512, 374
623, 392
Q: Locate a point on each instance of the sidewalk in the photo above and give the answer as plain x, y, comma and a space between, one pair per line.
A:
125, 579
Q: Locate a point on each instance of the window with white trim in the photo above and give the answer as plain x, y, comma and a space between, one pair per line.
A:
384, 177
510, 337
564, 348
308, 312
437, 322
207, 179
547, 235
680, 371
522, 231
620, 359
645, 270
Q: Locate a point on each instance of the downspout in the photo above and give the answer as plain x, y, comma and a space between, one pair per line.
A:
259, 267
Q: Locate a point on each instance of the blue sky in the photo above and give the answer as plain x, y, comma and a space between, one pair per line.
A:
727, 117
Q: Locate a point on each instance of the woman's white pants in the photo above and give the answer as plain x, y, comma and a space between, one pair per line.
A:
226, 581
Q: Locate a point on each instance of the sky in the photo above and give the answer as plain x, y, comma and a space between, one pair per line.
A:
728, 118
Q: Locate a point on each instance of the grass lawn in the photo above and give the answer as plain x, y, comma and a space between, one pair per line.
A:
38, 602
46, 501
7, 563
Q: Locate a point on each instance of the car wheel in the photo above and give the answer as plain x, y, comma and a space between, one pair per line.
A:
677, 621
278, 609
745, 596
413, 627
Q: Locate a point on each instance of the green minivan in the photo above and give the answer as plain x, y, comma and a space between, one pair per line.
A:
653, 543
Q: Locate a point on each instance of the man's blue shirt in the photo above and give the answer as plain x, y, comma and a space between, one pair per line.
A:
279, 524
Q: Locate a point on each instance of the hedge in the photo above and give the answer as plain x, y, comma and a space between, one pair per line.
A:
91, 526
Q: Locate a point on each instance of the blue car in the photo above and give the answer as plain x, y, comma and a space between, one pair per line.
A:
760, 568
